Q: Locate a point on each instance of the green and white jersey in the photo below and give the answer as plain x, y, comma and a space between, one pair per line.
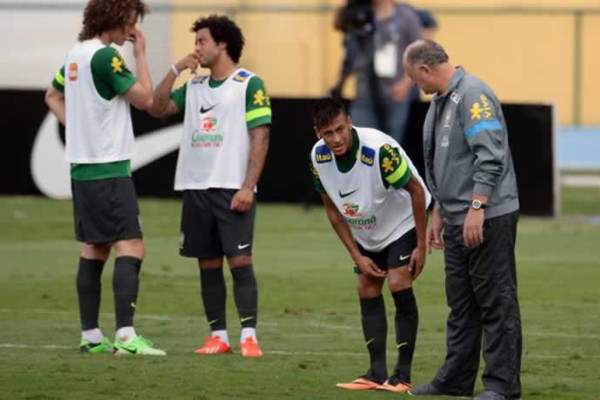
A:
98, 126
215, 144
367, 186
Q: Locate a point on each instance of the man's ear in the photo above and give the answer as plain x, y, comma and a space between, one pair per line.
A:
317, 132
350, 120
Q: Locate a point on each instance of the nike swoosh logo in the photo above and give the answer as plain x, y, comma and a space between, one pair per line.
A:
402, 258
51, 173
205, 110
132, 351
402, 344
370, 341
342, 195
246, 319
243, 246
212, 322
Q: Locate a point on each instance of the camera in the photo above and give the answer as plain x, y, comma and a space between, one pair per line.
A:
358, 18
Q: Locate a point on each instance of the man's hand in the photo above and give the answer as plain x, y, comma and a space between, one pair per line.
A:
368, 267
473, 227
434, 232
417, 261
188, 62
242, 200
139, 42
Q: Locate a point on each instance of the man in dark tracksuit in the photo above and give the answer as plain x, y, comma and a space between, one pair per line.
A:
470, 173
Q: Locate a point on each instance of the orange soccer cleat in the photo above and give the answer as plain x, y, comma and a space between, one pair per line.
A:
359, 384
394, 385
250, 348
214, 345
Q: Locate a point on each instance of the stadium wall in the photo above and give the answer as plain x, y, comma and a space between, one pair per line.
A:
529, 51
33, 152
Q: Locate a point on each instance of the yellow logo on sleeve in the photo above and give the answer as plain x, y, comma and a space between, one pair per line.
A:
117, 64
260, 98
478, 110
387, 164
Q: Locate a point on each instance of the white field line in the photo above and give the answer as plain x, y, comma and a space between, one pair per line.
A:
301, 353
312, 323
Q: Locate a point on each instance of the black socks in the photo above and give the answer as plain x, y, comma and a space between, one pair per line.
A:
125, 287
407, 321
89, 291
245, 292
374, 324
214, 293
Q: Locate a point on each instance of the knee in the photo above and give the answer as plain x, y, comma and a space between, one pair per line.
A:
239, 261
368, 288
399, 279
132, 248
95, 251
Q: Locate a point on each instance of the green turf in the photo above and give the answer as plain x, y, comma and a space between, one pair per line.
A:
309, 323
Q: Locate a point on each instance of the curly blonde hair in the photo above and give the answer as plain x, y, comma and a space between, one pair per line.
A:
103, 15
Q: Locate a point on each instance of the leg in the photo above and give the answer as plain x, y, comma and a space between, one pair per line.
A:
89, 289
214, 294
374, 325
397, 119
463, 331
406, 320
407, 315
245, 290
126, 284
493, 272
200, 239
236, 231
362, 112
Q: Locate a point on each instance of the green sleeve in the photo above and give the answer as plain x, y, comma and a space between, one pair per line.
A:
59, 80
258, 104
178, 97
110, 73
316, 179
394, 169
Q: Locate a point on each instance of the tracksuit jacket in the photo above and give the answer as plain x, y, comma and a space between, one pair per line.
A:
466, 150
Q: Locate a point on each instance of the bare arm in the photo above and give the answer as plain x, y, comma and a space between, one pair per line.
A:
417, 196
140, 94
56, 103
259, 145
341, 228
162, 104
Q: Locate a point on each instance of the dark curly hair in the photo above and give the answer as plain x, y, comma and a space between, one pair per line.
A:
223, 30
326, 110
103, 15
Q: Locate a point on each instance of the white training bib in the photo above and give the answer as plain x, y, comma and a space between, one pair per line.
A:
215, 144
97, 130
377, 215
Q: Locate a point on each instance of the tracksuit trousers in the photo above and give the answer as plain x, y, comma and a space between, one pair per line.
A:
481, 291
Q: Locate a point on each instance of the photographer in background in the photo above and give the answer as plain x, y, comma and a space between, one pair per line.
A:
377, 33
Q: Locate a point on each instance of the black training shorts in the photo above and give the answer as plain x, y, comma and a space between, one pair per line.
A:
396, 254
211, 229
105, 210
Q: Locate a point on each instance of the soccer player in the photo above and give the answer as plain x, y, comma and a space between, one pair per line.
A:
376, 202
91, 94
222, 154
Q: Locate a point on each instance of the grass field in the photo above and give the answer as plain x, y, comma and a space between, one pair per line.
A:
309, 321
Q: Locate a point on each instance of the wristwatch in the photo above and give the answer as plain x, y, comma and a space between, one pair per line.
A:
477, 205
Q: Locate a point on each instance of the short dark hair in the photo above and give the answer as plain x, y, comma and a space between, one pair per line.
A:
326, 110
426, 52
223, 30
103, 15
